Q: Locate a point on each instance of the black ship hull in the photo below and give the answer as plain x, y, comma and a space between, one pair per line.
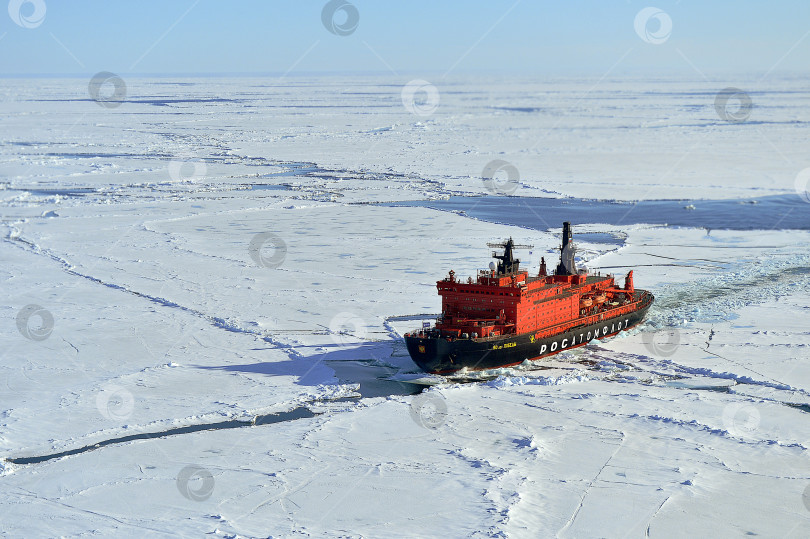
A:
438, 355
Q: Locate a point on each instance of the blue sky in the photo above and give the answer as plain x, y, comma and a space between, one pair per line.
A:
528, 37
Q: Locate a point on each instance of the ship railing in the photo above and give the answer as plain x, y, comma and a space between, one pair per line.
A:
505, 331
423, 334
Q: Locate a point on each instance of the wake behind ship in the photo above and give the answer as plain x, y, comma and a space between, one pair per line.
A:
506, 317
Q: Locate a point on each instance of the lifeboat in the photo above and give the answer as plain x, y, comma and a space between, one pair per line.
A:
586, 302
601, 298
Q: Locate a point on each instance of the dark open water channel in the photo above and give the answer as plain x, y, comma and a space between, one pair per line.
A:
763, 213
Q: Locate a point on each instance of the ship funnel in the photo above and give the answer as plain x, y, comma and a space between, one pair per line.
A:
567, 236
567, 266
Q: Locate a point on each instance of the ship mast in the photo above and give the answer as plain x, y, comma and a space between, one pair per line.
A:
508, 264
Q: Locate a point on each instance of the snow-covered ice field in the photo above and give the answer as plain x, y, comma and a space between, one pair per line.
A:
207, 250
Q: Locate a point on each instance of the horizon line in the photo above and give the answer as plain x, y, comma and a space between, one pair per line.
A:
631, 73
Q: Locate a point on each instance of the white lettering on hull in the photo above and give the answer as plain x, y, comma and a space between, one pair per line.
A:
583, 337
